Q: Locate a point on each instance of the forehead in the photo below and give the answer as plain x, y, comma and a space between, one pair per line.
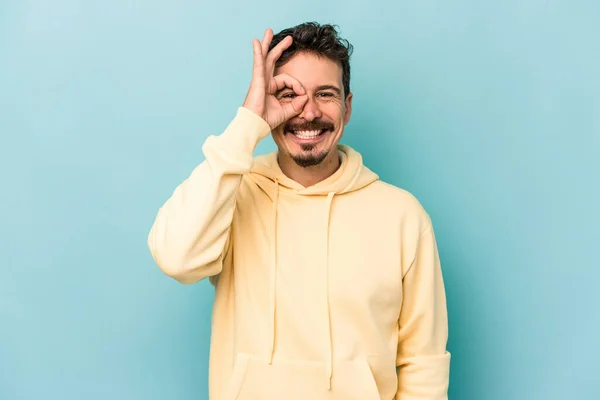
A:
313, 70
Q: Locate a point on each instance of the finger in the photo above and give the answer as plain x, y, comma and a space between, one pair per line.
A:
283, 81
258, 72
294, 107
275, 53
266, 42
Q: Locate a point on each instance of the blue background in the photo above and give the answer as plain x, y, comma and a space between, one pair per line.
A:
488, 111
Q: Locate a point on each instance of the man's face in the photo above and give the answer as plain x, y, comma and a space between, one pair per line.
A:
312, 136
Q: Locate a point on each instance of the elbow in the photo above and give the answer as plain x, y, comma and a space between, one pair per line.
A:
184, 277
185, 271
183, 266
188, 273
174, 267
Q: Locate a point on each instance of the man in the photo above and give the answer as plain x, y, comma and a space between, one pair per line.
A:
327, 280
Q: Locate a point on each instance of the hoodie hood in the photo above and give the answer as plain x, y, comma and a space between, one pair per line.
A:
351, 176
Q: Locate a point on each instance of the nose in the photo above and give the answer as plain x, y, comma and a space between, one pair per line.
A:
311, 110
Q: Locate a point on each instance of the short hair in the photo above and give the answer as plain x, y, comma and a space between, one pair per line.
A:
321, 40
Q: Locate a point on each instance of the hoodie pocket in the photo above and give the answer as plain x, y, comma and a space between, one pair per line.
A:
236, 379
253, 378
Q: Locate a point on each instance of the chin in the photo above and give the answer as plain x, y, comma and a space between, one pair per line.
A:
310, 159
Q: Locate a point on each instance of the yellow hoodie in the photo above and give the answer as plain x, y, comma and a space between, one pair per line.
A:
328, 292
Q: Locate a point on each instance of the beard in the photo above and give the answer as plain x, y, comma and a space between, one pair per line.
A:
309, 160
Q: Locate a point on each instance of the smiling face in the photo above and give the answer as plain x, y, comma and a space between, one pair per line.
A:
310, 138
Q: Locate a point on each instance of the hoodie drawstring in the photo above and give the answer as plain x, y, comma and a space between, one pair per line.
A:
273, 282
329, 360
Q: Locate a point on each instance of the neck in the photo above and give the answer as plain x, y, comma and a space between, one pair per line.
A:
309, 176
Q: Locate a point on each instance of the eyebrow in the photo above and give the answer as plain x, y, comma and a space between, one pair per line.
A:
334, 88
330, 87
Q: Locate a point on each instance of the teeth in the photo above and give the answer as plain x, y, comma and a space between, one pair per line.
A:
307, 134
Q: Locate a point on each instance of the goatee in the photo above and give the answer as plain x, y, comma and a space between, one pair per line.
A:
309, 160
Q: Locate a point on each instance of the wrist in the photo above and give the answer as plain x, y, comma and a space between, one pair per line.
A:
254, 111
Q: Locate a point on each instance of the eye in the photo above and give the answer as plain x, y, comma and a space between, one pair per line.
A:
287, 96
325, 94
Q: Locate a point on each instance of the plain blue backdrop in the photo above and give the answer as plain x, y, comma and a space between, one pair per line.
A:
487, 111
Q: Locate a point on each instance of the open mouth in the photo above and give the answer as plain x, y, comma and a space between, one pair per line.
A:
308, 135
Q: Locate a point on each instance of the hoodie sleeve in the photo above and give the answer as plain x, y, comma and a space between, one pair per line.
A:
190, 234
422, 360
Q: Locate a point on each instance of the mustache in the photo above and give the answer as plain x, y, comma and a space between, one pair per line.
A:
314, 125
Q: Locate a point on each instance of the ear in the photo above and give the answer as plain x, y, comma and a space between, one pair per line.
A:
348, 106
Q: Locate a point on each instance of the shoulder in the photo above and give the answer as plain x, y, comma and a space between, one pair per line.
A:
398, 202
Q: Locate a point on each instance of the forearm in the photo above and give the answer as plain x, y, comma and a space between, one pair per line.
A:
191, 230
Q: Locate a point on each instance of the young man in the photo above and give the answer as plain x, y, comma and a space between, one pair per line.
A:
328, 282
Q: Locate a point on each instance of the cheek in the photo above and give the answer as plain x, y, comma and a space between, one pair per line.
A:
334, 112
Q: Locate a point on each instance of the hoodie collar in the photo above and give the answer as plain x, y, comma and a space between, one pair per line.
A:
352, 175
